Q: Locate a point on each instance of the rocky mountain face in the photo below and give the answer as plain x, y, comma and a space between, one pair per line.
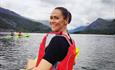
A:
11, 21
99, 26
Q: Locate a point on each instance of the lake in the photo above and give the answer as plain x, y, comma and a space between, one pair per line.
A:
97, 52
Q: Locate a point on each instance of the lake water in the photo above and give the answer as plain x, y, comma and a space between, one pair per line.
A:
97, 52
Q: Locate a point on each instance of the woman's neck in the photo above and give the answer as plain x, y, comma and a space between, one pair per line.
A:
64, 30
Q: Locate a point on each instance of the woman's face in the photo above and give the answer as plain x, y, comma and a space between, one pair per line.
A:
57, 21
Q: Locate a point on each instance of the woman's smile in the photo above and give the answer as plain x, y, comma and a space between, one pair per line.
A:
57, 20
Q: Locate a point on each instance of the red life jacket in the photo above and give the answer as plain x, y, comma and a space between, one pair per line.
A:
68, 62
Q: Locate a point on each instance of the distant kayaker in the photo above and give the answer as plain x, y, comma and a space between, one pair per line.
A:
12, 33
20, 34
59, 53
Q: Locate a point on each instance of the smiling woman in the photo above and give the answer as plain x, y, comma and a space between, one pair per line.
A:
60, 19
60, 53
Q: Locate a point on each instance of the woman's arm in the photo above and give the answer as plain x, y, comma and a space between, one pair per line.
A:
44, 65
57, 48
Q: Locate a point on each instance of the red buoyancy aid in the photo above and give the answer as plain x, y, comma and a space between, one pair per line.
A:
68, 62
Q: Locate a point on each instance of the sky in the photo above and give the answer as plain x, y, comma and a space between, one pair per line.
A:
83, 11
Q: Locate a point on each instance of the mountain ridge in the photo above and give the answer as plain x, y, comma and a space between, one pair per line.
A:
13, 21
99, 26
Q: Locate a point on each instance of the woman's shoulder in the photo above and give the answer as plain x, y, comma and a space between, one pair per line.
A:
57, 38
54, 37
57, 47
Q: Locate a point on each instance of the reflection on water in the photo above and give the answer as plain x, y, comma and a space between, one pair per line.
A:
10, 54
97, 52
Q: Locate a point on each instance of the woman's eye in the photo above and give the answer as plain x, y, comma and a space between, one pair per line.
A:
51, 17
56, 17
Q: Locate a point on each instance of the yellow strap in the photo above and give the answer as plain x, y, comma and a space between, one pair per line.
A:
77, 51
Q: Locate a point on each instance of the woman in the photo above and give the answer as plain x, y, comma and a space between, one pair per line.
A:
60, 53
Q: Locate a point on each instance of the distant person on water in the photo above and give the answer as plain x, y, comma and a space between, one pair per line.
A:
12, 33
20, 34
57, 52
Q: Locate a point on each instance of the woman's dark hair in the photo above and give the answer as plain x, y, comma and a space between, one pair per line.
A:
66, 13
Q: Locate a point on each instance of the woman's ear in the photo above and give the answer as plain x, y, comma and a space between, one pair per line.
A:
65, 22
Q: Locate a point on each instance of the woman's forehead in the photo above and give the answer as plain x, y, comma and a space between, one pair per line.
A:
56, 12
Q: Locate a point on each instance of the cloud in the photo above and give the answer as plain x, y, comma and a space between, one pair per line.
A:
28, 8
109, 2
86, 12
83, 11
53, 2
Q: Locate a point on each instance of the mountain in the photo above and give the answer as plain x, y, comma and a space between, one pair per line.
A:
6, 11
99, 26
77, 30
10, 20
45, 22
